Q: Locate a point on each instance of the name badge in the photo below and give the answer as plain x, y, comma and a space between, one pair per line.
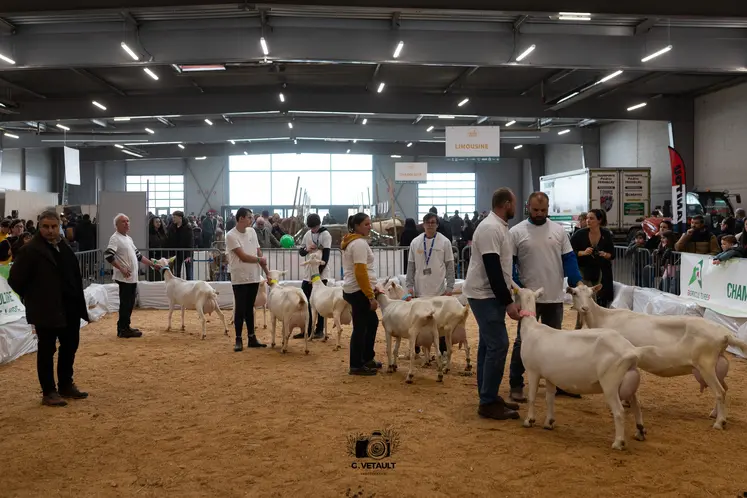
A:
426, 271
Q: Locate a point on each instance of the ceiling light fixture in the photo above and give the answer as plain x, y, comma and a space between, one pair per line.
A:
150, 73
348, 152
518, 147
526, 52
567, 97
290, 125
180, 146
62, 127
355, 140
395, 156
430, 128
637, 106
131, 153
657, 54
202, 158
381, 87
208, 122
295, 142
510, 123
129, 51
282, 98
463, 102
150, 131
119, 146
233, 142
574, 16
246, 153
409, 144
100, 106
265, 49
563, 132
365, 120
121, 119
7, 59
398, 50
10, 135
609, 77
205, 67
446, 116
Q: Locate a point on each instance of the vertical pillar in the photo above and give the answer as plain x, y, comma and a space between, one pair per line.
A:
23, 169
590, 155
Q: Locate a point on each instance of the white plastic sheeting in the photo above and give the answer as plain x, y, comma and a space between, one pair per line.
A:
737, 326
623, 296
16, 340
97, 300
655, 302
112, 300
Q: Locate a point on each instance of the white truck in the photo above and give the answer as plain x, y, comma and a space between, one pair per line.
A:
623, 193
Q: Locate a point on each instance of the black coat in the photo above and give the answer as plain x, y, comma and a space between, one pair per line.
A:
85, 235
180, 238
38, 279
595, 268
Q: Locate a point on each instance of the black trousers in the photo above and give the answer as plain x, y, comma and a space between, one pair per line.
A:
244, 295
306, 287
69, 338
127, 294
365, 323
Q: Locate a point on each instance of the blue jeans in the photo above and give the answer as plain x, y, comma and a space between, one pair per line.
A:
493, 347
550, 314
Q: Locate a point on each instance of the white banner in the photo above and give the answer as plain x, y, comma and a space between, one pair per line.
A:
722, 288
636, 196
11, 308
473, 141
604, 194
410, 172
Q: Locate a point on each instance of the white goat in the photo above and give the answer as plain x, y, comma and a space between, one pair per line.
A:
327, 302
407, 319
451, 318
260, 302
687, 344
192, 294
289, 305
588, 361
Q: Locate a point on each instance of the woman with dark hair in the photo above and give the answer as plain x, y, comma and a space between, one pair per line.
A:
30, 227
156, 240
408, 235
663, 261
595, 248
359, 279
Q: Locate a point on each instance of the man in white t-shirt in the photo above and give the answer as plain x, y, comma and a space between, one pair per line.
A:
316, 240
125, 258
430, 266
245, 263
488, 289
544, 256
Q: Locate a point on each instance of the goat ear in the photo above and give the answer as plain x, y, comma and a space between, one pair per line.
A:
515, 286
539, 292
570, 290
597, 288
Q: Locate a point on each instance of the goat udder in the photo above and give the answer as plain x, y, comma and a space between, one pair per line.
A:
629, 385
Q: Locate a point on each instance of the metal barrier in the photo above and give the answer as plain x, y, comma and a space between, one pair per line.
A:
640, 267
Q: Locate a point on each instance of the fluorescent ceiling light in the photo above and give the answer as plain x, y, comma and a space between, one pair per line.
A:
246, 153
398, 50
463, 102
446, 116
150, 73
131, 153
129, 51
510, 123
282, 98
205, 67
121, 119
355, 140
526, 52
100, 106
609, 77
62, 127
518, 147
657, 54
290, 125
233, 142
98, 122
395, 156
563, 132
10, 135
180, 146
381, 87
409, 144
265, 49
119, 146
295, 142
574, 16
637, 106
430, 128
201, 158
7, 59
3, 105
365, 120
348, 151
208, 122
150, 131
567, 97
482, 120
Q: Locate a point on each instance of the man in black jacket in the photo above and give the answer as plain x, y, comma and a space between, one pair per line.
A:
316, 239
46, 276
180, 236
85, 234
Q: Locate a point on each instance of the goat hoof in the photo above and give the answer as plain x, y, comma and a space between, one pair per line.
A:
446, 370
719, 425
394, 367
549, 425
440, 378
183, 329
640, 434
468, 368
307, 351
337, 348
272, 345
390, 369
618, 445
529, 422
408, 380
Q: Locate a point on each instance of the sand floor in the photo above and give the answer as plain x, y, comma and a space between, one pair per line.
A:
172, 415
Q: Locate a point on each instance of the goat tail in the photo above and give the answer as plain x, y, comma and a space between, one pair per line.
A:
737, 343
301, 305
465, 313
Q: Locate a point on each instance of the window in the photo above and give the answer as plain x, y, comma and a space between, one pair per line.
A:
270, 179
448, 192
165, 192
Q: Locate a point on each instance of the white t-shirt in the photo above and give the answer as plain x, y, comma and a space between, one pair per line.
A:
243, 273
439, 249
540, 250
126, 254
357, 252
490, 237
321, 241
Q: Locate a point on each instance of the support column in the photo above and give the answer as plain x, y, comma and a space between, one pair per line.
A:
23, 169
590, 155
682, 138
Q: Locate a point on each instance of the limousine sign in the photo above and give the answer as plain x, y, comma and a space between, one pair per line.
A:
469, 143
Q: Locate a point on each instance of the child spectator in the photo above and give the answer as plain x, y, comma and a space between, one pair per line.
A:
641, 258
730, 250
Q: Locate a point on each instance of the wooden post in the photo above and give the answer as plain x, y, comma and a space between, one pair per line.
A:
391, 209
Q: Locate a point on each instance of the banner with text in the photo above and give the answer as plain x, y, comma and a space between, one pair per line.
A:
473, 141
636, 195
604, 187
11, 308
722, 288
410, 172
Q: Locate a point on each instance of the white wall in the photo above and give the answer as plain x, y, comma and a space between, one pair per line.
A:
721, 141
560, 158
39, 172
10, 169
639, 144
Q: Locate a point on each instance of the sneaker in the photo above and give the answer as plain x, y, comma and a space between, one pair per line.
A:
53, 399
362, 371
517, 394
73, 392
497, 411
560, 392
252, 342
299, 335
128, 333
373, 365
238, 346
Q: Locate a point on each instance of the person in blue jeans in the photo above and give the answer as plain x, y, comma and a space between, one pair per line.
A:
487, 287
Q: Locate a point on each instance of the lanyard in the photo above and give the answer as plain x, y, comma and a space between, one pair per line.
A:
426, 251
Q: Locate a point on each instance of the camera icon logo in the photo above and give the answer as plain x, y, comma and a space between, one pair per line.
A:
377, 445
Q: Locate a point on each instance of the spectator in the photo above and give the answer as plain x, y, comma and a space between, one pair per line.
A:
179, 236
156, 241
641, 259
319, 241
653, 243
664, 263
595, 248
408, 235
277, 230
208, 231
698, 239
580, 222
730, 250
444, 227
264, 235
456, 224
6, 245
24, 239
4, 228
47, 277
230, 223
727, 227
85, 234
30, 227
739, 220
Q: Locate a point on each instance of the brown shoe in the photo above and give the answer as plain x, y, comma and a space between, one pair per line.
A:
497, 411
53, 399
